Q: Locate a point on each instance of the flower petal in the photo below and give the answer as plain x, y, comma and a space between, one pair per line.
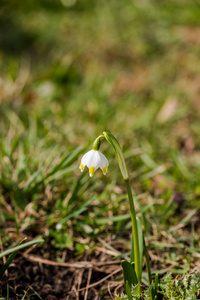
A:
91, 171
105, 170
94, 159
81, 167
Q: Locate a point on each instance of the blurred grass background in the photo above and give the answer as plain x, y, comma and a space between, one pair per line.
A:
71, 69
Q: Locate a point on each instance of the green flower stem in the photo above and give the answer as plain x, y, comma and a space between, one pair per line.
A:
118, 152
97, 142
122, 165
134, 230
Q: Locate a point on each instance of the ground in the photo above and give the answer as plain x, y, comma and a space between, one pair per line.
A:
70, 70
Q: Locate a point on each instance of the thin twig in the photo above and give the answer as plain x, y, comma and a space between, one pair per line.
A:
77, 265
102, 280
88, 283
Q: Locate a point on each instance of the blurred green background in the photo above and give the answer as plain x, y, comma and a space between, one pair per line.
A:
71, 69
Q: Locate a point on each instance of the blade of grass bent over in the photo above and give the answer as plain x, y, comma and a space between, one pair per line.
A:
19, 247
14, 252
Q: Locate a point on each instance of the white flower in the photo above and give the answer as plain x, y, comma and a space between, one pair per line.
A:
94, 159
58, 226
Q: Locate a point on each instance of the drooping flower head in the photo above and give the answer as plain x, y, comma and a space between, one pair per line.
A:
94, 159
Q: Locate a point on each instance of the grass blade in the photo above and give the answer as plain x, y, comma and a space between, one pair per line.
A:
19, 247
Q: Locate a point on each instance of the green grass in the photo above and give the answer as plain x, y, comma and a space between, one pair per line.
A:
67, 73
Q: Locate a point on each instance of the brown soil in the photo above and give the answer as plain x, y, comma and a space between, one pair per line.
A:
39, 278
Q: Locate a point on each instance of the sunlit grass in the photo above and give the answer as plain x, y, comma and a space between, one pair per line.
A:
129, 67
